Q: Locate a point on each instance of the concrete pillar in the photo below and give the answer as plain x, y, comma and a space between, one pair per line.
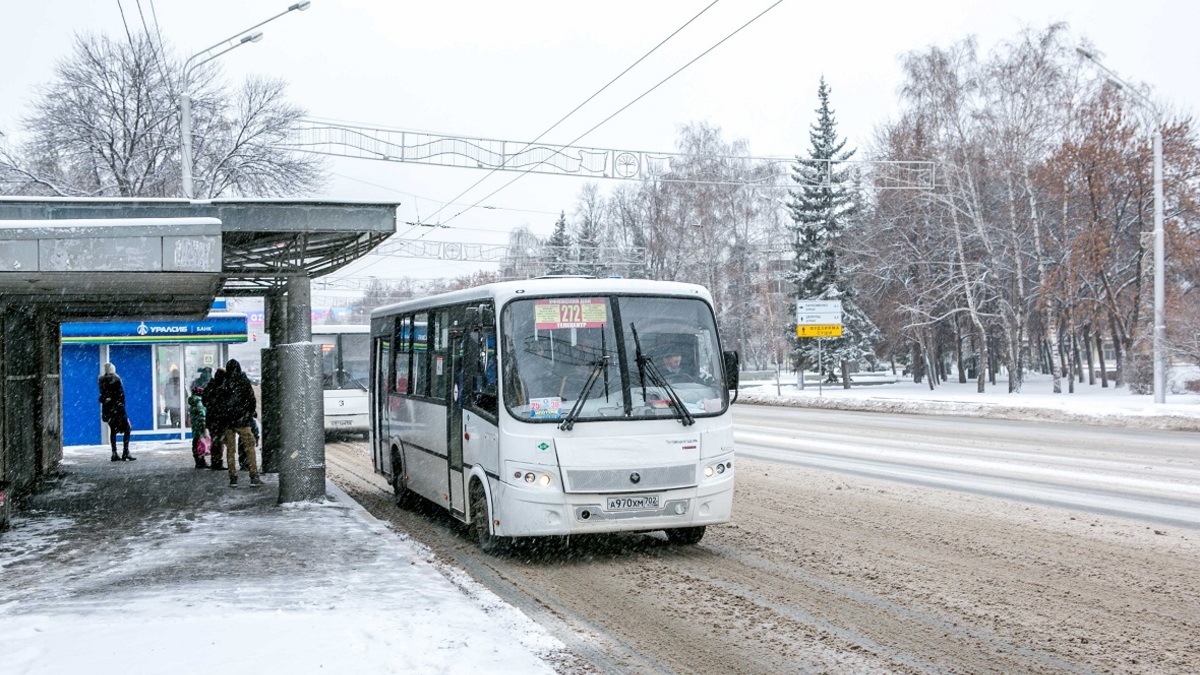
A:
48, 411
299, 310
21, 390
302, 418
302, 462
272, 396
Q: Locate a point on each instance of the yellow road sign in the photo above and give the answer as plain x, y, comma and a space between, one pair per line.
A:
819, 330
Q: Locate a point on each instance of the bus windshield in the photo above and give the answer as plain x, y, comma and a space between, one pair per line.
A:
345, 361
581, 353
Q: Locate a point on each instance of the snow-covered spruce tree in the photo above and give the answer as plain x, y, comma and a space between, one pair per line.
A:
559, 256
823, 206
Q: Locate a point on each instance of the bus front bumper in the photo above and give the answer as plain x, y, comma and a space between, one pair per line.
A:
533, 512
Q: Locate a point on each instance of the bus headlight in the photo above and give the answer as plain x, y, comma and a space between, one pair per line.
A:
538, 477
718, 468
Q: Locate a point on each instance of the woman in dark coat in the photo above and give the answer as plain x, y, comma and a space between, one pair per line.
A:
214, 402
112, 410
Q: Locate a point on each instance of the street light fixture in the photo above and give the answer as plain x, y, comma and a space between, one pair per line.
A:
1160, 319
185, 99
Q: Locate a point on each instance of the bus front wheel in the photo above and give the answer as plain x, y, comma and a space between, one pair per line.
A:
481, 520
685, 535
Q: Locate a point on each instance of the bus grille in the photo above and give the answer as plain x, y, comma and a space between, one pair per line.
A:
618, 480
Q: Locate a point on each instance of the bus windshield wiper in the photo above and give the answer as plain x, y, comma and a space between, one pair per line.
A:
600, 366
646, 368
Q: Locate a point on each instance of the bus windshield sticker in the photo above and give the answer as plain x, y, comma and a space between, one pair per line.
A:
545, 408
569, 313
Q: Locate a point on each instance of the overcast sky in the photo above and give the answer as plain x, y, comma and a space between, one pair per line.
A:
508, 70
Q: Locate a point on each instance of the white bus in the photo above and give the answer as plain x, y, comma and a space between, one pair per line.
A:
345, 372
557, 406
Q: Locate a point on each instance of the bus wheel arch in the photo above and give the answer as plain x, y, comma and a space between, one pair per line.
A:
404, 497
481, 518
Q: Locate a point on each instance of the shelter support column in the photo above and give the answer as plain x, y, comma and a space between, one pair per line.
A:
21, 389
48, 410
272, 395
299, 309
302, 420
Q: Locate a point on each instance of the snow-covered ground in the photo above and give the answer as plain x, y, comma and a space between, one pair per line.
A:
1089, 404
197, 578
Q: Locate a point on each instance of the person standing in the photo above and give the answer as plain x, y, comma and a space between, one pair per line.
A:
214, 401
241, 407
171, 397
198, 414
112, 411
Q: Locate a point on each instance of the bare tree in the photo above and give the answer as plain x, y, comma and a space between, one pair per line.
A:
108, 125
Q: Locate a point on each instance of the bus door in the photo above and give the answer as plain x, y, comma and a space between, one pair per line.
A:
454, 419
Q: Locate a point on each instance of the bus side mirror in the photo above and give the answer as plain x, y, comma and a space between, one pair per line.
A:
731, 369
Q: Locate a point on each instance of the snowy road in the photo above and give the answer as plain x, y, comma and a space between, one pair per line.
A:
1151, 475
824, 571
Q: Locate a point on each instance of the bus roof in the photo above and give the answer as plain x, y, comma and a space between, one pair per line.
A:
504, 291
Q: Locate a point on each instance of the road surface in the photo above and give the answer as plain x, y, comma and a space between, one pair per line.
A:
823, 571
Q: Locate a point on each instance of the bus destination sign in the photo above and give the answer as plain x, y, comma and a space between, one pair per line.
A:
554, 313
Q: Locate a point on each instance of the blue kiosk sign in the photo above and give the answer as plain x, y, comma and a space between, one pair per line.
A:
215, 328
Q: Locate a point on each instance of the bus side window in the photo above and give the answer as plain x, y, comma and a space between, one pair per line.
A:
485, 394
402, 353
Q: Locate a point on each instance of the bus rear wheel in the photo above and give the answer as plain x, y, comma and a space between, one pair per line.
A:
405, 498
685, 536
481, 521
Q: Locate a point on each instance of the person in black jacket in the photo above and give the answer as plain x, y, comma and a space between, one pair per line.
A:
240, 409
214, 402
112, 410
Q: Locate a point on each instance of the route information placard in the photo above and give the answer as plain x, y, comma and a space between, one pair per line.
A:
556, 313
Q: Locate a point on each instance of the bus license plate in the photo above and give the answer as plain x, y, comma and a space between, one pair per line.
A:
632, 503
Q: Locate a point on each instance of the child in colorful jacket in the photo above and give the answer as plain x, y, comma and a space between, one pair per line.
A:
198, 414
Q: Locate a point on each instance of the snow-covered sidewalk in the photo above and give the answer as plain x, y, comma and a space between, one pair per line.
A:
155, 567
1089, 404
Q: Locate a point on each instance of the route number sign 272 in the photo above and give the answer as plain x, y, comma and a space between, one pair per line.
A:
556, 313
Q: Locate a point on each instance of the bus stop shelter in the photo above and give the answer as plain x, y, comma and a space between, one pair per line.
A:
68, 259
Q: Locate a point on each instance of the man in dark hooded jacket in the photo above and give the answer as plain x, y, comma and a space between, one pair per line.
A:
112, 410
240, 409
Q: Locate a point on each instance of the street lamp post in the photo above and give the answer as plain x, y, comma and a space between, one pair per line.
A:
1160, 319
185, 99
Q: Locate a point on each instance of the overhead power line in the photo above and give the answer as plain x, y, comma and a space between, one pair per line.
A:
587, 100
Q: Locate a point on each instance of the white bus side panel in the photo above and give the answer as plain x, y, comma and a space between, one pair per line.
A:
481, 445
425, 451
